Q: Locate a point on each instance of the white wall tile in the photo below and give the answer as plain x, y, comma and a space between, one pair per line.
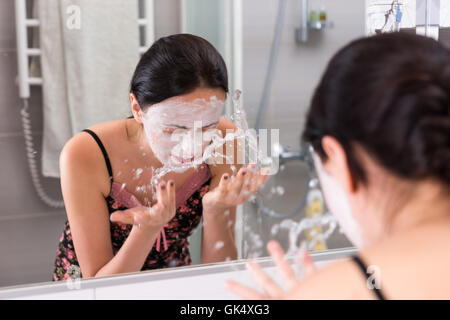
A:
7, 21
28, 248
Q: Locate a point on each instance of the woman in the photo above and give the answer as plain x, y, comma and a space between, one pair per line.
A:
379, 124
116, 223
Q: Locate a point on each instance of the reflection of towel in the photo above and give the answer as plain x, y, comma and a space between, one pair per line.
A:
89, 51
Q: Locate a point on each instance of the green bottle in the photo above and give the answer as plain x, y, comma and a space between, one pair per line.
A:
313, 16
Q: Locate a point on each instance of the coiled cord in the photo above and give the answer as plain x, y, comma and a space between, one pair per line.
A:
31, 156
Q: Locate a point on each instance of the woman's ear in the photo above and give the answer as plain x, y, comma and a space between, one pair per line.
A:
337, 164
135, 108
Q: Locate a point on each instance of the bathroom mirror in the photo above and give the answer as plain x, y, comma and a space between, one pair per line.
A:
257, 39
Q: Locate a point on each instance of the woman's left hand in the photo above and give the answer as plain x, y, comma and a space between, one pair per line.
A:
271, 290
232, 192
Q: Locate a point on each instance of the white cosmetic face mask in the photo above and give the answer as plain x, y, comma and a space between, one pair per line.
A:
174, 129
337, 202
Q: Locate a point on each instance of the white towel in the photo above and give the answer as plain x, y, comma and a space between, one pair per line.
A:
89, 51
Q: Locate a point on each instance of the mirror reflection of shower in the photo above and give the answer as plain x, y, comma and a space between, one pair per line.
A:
317, 224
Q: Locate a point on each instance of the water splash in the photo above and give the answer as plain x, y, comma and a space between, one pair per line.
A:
254, 244
213, 154
295, 229
278, 190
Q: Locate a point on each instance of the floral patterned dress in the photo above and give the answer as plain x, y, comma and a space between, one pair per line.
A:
175, 249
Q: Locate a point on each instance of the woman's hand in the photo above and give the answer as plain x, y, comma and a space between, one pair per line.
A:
152, 218
272, 290
232, 192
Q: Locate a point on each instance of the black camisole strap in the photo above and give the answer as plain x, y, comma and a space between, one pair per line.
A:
105, 154
363, 268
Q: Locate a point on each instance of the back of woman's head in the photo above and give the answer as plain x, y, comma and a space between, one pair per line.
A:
176, 65
390, 94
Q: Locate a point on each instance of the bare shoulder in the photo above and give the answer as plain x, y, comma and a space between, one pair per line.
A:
339, 280
79, 150
81, 155
412, 264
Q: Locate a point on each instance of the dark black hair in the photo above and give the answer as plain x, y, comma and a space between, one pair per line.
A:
177, 65
390, 94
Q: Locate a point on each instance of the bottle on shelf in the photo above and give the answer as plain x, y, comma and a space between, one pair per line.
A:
313, 16
322, 14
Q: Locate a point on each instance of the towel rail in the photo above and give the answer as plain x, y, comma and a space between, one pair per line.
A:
24, 80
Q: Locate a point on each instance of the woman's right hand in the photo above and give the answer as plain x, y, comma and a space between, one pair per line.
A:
271, 289
151, 218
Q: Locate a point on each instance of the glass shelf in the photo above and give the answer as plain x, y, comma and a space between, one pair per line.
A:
318, 25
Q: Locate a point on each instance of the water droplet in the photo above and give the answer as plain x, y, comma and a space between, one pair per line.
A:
280, 190
275, 229
172, 263
313, 183
218, 245
138, 173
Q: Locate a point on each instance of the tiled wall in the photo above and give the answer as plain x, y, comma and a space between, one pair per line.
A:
299, 66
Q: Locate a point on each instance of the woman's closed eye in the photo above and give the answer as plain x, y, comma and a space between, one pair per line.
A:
170, 130
211, 126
